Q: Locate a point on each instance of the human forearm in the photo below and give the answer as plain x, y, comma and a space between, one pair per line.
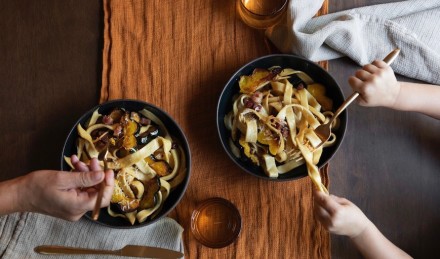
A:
421, 98
371, 243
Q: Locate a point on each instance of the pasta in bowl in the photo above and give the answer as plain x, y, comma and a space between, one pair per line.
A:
147, 151
267, 112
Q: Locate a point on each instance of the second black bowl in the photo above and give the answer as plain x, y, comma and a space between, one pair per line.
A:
316, 72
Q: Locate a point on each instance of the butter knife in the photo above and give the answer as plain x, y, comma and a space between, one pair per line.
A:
129, 250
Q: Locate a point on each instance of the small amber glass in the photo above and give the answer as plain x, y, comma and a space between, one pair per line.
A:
261, 14
216, 223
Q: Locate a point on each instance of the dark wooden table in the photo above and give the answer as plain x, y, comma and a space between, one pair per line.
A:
50, 73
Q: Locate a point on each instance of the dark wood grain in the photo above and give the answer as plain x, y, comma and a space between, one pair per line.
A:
50, 73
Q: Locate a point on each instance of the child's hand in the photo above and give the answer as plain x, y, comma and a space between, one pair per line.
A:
376, 84
339, 215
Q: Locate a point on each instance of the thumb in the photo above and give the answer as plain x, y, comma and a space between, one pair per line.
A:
84, 179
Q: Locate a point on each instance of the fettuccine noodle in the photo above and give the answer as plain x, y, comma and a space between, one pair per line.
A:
148, 164
273, 118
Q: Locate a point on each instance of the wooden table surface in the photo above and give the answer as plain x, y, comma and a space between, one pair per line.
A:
50, 73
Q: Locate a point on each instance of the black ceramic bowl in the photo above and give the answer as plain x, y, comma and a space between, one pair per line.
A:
317, 73
174, 130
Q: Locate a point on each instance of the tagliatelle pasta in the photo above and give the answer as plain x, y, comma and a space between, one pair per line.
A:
273, 118
147, 162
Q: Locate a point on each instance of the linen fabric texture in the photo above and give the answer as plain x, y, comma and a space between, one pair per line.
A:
365, 34
22, 232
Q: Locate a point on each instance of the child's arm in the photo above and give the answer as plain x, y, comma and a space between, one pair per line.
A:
422, 98
342, 217
378, 86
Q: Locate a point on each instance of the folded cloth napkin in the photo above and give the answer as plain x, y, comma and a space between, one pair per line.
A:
365, 34
22, 232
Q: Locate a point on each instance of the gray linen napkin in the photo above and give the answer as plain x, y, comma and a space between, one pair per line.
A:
366, 33
20, 233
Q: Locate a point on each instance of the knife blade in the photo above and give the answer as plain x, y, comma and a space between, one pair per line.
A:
128, 250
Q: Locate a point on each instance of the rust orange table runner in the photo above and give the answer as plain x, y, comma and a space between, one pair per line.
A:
178, 55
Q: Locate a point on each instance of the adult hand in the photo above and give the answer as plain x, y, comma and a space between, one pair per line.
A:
376, 84
66, 195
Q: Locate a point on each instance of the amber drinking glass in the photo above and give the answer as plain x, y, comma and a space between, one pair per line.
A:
261, 14
216, 222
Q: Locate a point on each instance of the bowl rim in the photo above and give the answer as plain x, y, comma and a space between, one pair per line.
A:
234, 77
184, 142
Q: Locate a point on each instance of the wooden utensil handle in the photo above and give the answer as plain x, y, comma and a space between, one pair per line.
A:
392, 56
97, 209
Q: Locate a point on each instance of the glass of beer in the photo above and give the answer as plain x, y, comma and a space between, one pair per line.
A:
261, 14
